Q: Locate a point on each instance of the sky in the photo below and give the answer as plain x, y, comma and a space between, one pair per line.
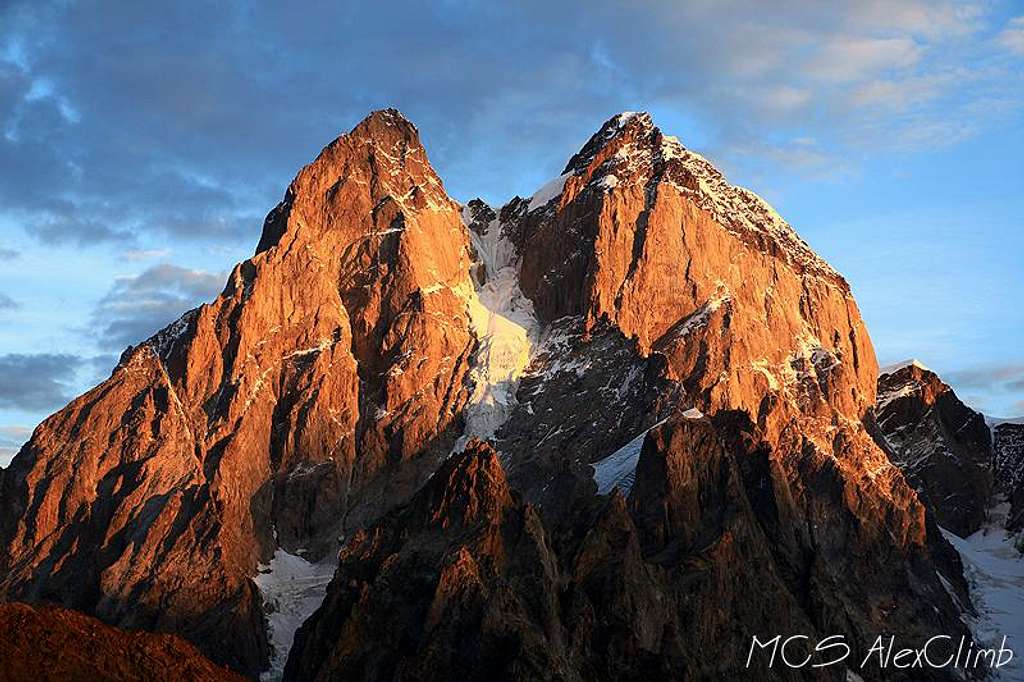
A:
141, 147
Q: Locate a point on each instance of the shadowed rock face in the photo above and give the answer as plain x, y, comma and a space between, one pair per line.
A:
1008, 446
467, 581
332, 376
943, 446
48, 643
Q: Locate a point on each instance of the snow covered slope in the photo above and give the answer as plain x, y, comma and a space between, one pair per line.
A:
618, 470
506, 328
995, 570
292, 590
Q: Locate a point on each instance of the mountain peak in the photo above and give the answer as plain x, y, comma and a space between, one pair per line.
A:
622, 126
381, 158
897, 366
630, 150
329, 384
389, 117
467, 488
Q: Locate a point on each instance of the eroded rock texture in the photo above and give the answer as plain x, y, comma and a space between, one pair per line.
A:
1008, 445
664, 292
344, 361
468, 581
319, 388
943, 446
49, 643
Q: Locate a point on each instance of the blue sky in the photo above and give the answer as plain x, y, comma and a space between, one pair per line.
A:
140, 149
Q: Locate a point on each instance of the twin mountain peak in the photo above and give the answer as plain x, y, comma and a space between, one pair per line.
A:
425, 386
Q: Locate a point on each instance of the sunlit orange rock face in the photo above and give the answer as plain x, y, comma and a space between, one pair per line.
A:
331, 357
317, 399
761, 504
49, 643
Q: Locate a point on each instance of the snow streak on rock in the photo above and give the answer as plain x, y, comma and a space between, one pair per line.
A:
292, 589
506, 328
737, 209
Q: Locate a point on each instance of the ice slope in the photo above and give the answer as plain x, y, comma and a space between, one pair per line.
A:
995, 571
507, 330
292, 589
618, 470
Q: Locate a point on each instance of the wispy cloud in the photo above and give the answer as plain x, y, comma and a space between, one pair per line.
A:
991, 382
1006, 377
137, 306
11, 440
117, 132
37, 382
1012, 37
145, 254
847, 59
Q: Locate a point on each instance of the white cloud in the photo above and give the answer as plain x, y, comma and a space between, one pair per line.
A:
847, 59
138, 306
900, 94
145, 254
1012, 37
933, 19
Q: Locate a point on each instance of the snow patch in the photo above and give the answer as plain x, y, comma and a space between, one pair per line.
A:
292, 589
699, 318
506, 328
548, 191
886, 397
995, 570
618, 470
895, 367
764, 368
163, 341
996, 421
737, 209
321, 346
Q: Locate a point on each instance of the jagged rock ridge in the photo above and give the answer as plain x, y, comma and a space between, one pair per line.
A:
375, 327
323, 384
1008, 447
651, 307
943, 446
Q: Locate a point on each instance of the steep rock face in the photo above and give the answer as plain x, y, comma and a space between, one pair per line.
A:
648, 235
468, 582
48, 643
642, 245
943, 446
320, 388
1008, 446
661, 289
376, 329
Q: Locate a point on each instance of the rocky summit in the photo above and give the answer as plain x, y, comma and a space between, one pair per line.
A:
943, 446
609, 431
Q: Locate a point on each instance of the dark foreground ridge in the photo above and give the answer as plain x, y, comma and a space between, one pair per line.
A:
49, 643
